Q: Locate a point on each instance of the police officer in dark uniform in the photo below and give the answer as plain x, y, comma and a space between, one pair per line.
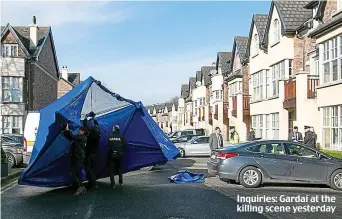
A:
79, 142
117, 147
93, 139
309, 137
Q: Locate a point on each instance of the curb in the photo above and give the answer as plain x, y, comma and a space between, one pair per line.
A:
9, 177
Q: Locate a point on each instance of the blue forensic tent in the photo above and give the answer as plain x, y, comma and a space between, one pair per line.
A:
49, 165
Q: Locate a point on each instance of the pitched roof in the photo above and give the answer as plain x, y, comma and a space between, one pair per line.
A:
198, 76
260, 21
331, 24
159, 107
192, 82
185, 90
240, 44
23, 34
206, 74
74, 78
176, 105
169, 106
223, 59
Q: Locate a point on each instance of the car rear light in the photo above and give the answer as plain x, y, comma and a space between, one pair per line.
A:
226, 155
25, 145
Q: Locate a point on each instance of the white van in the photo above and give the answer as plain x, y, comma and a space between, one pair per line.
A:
30, 133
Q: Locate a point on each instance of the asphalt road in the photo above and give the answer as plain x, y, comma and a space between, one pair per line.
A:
149, 194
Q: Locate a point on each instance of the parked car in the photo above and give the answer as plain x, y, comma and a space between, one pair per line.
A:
275, 161
199, 132
183, 139
30, 132
13, 149
198, 146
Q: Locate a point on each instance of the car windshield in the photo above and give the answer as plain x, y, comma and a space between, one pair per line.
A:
9, 140
193, 139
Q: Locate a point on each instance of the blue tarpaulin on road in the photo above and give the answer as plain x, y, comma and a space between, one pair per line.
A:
185, 176
49, 164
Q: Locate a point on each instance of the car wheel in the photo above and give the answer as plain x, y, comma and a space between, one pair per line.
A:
182, 153
336, 180
11, 159
250, 177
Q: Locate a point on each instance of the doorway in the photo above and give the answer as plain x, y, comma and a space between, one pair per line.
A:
292, 118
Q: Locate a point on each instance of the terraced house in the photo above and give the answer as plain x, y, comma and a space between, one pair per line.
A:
29, 73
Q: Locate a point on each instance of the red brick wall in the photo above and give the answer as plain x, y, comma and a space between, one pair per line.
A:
9, 39
62, 88
225, 92
207, 94
245, 79
330, 8
308, 45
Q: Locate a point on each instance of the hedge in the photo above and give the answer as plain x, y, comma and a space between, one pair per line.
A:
337, 154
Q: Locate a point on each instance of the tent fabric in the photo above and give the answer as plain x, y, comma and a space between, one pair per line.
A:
185, 176
49, 164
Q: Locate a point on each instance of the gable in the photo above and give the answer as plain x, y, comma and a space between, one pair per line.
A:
237, 61
8, 38
46, 56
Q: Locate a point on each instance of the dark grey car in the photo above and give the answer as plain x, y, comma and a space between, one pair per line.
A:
275, 161
13, 146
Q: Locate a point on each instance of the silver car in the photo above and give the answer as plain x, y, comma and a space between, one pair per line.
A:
275, 161
198, 146
13, 148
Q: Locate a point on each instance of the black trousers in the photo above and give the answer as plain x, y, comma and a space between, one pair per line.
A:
76, 170
115, 167
89, 164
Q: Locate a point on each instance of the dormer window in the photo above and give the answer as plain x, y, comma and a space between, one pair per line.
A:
9, 50
314, 12
276, 31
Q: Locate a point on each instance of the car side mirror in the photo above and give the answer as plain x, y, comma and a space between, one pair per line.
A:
195, 142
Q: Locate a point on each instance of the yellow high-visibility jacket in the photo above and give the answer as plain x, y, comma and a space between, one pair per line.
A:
235, 138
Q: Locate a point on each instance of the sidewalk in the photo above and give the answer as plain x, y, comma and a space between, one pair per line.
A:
15, 172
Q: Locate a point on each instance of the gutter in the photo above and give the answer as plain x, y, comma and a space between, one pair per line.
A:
334, 24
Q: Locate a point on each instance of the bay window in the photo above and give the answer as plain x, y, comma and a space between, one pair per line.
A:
332, 127
257, 79
12, 89
235, 88
332, 60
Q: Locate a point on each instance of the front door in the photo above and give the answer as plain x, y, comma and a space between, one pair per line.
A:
272, 159
306, 166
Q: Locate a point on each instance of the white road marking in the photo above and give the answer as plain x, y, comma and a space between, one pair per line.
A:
9, 186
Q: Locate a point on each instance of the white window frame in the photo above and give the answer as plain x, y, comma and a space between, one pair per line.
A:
255, 45
257, 125
276, 31
8, 124
267, 83
267, 126
11, 89
258, 82
9, 50
275, 125
332, 53
332, 127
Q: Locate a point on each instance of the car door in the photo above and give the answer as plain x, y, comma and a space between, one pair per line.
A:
306, 165
203, 147
272, 158
193, 148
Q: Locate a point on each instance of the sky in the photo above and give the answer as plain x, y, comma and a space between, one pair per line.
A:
143, 51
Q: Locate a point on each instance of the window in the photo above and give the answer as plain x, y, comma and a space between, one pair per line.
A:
332, 60
255, 44
267, 93
270, 148
257, 79
314, 66
332, 127
275, 125
12, 124
267, 126
275, 80
12, 89
297, 150
257, 125
9, 50
290, 67
276, 31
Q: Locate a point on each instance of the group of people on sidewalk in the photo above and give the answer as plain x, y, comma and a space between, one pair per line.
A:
84, 150
216, 139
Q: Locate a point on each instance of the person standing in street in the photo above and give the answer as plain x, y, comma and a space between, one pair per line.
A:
251, 136
234, 136
117, 146
310, 138
78, 145
295, 135
93, 139
215, 139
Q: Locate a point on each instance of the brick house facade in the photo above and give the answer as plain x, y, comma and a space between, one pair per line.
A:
29, 74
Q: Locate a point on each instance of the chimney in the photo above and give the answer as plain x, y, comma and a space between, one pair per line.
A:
65, 72
33, 34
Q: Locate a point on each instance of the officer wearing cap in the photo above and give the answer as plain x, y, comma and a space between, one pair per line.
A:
117, 147
309, 137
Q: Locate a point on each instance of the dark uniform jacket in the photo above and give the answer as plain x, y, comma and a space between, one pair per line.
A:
117, 144
78, 145
310, 139
93, 139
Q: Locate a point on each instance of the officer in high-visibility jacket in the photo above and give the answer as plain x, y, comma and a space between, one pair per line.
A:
234, 136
